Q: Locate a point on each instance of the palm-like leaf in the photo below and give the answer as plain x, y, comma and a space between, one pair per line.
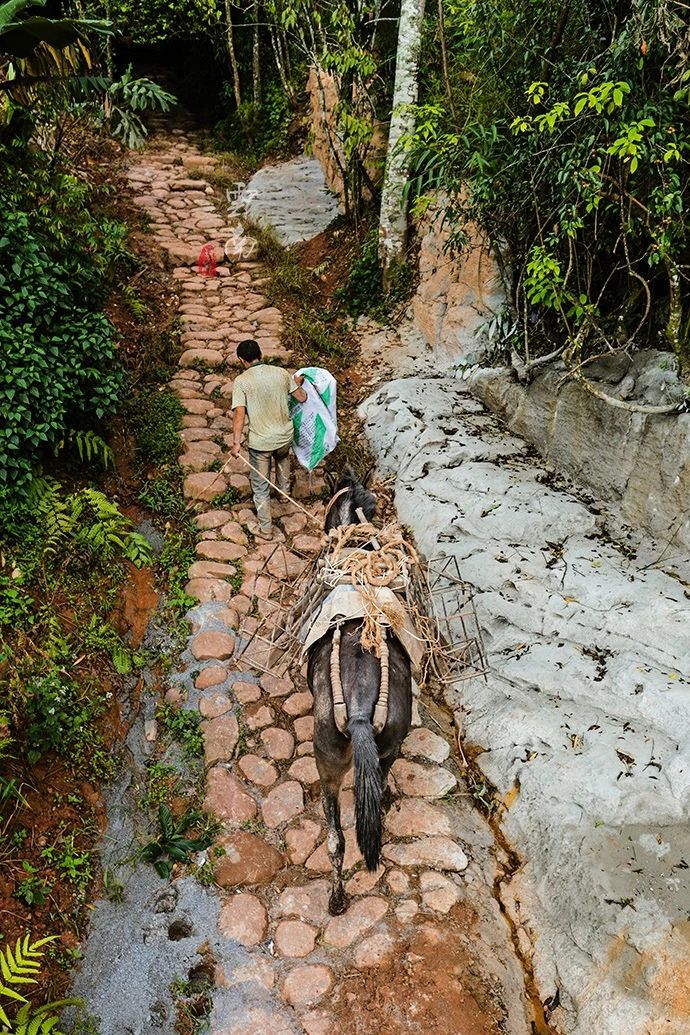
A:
10, 10
20, 37
36, 48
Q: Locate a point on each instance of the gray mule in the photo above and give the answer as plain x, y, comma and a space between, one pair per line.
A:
360, 673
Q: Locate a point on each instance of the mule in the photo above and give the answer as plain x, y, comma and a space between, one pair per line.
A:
360, 673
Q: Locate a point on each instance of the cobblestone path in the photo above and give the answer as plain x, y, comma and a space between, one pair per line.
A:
422, 947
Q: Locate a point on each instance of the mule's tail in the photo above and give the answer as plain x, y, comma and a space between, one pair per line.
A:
368, 790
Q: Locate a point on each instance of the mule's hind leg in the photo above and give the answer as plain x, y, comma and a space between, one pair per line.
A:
330, 788
387, 794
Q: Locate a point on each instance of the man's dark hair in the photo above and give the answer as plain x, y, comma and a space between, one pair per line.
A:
249, 350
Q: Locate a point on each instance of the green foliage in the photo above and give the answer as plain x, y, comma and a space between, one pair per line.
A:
23, 967
73, 864
134, 303
60, 208
312, 337
172, 846
120, 104
21, 33
158, 21
32, 890
310, 329
155, 417
57, 359
340, 40
66, 554
59, 374
87, 523
183, 725
544, 280
127, 99
363, 285
9, 790
100, 636
88, 445
163, 497
192, 995
16, 605
363, 290
60, 717
205, 875
227, 498
254, 130
178, 553
569, 147
163, 783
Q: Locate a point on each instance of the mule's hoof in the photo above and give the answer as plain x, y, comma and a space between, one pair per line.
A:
337, 903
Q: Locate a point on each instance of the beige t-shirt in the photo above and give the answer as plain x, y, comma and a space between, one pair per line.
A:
263, 390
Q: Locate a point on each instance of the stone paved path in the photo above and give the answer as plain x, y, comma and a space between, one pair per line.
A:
422, 947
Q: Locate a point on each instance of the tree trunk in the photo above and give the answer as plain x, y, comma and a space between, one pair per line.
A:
393, 218
231, 51
256, 55
674, 324
109, 53
444, 60
285, 50
280, 64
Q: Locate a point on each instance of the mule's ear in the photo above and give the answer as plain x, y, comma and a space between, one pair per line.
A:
330, 479
368, 477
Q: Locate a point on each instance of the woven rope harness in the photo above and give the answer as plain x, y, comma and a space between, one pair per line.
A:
339, 707
385, 565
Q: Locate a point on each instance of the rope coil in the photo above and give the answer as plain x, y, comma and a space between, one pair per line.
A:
339, 706
348, 560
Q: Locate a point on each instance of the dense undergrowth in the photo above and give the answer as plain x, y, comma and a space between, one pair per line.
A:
562, 131
62, 537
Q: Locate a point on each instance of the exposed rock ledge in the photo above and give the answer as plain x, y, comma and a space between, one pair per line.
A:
583, 722
641, 462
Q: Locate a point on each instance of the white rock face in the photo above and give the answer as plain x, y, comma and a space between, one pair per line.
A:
585, 715
640, 463
292, 198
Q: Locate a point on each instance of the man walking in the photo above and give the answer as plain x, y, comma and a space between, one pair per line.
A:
260, 394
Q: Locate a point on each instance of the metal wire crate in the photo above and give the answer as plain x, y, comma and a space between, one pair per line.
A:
440, 603
269, 636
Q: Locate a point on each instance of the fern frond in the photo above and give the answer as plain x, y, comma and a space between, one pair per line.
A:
10, 993
88, 521
42, 487
16, 968
40, 1021
13, 974
19, 964
122, 660
89, 445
